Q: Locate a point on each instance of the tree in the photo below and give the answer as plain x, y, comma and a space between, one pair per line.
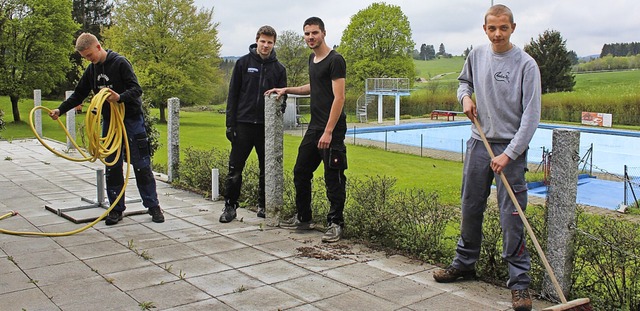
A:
423, 52
173, 47
430, 52
550, 52
93, 16
467, 51
377, 43
35, 37
294, 55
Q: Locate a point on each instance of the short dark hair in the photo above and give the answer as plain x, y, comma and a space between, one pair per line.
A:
314, 21
267, 31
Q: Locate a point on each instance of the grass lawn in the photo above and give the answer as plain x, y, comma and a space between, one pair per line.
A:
206, 129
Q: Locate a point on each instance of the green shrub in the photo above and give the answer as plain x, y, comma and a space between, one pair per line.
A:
1, 121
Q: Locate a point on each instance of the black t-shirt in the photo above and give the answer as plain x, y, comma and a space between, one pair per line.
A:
321, 75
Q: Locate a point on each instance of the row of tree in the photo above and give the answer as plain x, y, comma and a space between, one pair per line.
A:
174, 48
427, 52
621, 49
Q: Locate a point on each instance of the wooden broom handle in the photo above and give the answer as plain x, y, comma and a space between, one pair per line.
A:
552, 276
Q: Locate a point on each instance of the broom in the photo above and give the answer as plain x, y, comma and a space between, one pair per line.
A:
581, 304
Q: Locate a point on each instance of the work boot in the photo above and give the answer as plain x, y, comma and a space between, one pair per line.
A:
261, 213
296, 224
229, 212
113, 218
156, 214
333, 234
521, 300
451, 274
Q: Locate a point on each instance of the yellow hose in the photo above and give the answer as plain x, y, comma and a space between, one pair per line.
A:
99, 148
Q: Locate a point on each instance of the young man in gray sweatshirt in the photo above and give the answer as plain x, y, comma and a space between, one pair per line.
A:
507, 87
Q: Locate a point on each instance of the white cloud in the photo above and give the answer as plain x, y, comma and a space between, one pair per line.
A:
586, 25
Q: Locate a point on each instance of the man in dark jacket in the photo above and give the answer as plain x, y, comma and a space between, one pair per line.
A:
110, 70
253, 74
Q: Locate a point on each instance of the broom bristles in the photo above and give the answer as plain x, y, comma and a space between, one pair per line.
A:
582, 304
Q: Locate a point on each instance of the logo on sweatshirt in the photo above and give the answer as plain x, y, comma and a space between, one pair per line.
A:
252, 70
502, 76
103, 76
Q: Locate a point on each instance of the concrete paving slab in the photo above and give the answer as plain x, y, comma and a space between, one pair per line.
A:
355, 300
192, 261
225, 282
29, 299
169, 294
260, 298
205, 305
312, 287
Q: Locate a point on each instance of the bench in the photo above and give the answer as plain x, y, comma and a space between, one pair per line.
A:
451, 115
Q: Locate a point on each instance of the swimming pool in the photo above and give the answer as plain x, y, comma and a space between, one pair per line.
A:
612, 149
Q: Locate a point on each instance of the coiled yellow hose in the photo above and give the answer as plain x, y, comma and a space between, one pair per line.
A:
99, 149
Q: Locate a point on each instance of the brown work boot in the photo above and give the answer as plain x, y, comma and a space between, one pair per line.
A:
521, 300
451, 274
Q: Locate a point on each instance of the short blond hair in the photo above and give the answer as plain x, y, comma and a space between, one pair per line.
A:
85, 41
498, 10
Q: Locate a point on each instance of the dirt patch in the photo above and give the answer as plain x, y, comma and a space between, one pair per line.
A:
313, 252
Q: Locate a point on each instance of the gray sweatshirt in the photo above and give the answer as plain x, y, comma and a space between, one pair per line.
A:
508, 90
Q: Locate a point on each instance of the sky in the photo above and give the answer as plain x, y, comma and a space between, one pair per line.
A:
586, 25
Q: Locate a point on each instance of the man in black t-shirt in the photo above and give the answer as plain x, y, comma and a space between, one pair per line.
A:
324, 139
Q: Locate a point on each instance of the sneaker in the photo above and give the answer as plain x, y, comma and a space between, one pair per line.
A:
228, 213
261, 213
333, 234
113, 218
451, 274
296, 224
521, 300
156, 214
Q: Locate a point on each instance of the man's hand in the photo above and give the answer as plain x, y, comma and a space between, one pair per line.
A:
231, 133
54, 114
498, 163
325, 141
469, 108
113, 97
278, 92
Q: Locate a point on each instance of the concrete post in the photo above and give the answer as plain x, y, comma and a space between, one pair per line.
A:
37, 118
173, 137
71, 122
215, 185
561, 208
273, 164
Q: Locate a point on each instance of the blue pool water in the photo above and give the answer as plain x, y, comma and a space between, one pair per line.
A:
612, 149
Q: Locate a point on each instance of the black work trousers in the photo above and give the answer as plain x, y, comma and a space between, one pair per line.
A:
335, 163
248, 136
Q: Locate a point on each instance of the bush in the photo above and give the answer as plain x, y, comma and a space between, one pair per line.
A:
607, 262
1, 121
413, 222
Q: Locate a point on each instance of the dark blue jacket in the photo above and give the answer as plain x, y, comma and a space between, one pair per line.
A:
251, 77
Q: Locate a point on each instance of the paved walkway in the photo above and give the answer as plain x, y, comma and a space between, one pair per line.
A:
192, 262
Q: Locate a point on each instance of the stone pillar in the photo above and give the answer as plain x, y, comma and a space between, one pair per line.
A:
215, 185
173, 137
37, 118
561, 208
71, 122
273, 162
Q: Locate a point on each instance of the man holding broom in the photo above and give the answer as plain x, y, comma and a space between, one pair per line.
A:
507, 85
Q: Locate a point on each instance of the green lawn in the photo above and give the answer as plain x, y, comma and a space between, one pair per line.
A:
206, 130
450, 67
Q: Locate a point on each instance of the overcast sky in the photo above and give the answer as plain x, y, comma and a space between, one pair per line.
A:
585, 24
